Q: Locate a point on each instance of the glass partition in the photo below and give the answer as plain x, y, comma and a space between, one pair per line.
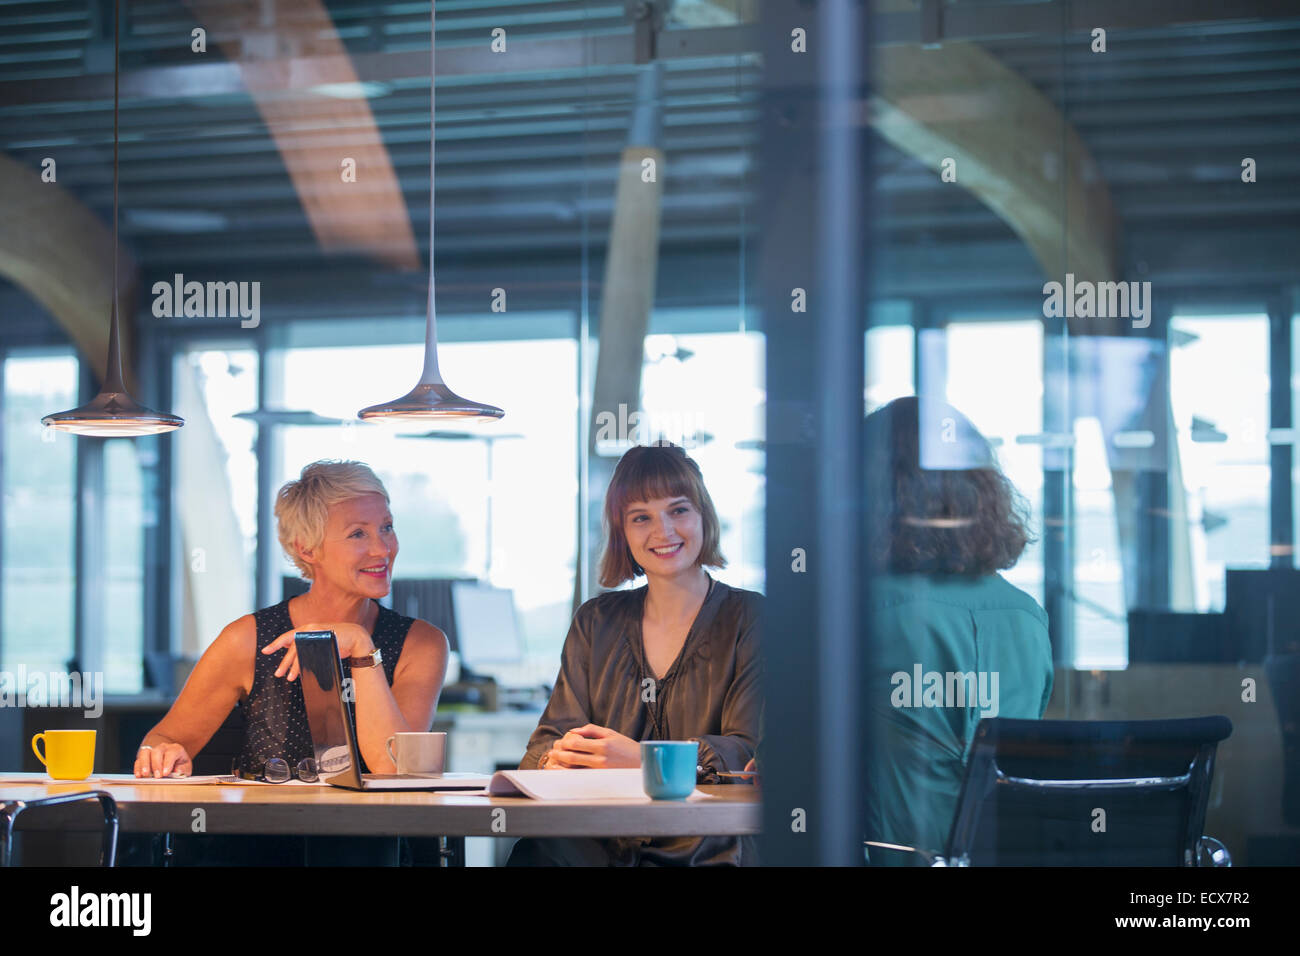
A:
1078, 327
1095, 294
39, 531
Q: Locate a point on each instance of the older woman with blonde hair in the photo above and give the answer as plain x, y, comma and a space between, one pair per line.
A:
335, 525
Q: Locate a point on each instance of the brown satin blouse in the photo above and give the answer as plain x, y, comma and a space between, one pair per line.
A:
711, 693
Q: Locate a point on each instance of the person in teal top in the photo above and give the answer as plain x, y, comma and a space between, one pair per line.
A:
952, 640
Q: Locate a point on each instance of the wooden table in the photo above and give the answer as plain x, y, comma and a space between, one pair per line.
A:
302, 810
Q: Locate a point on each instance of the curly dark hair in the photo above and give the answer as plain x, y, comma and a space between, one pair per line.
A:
937, 502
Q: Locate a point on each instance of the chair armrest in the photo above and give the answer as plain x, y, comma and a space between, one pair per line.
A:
927, 858
1218, 853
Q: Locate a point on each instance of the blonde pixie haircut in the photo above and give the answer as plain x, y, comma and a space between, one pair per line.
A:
302, 506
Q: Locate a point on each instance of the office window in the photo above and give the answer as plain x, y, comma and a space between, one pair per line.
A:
994, 375
1219, 385
890, 364
1295, 445
123, 568
39, 512
1096, 593
215, 495
498, 505
711, 398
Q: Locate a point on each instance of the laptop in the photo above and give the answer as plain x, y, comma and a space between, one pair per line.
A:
338, 758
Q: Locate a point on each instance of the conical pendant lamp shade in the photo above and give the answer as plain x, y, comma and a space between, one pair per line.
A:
431, 399
113, 413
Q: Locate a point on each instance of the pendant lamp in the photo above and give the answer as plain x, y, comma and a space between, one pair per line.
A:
113, 413
431, 399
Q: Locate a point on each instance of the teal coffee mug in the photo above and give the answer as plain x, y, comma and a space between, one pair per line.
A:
668, 768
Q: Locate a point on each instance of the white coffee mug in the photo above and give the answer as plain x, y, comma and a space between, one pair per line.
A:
418, 753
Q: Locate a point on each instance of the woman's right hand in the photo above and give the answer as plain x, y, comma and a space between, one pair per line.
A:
551, 760
162, 760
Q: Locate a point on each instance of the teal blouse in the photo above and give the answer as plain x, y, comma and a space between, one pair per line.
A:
946, 651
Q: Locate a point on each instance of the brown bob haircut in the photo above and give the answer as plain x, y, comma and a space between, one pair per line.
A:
645, 473
937, 502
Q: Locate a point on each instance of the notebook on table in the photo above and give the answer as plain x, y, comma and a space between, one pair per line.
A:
338, 758
584, 785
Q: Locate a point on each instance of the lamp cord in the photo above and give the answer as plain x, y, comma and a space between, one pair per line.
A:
431, 372
117, 27
113, 381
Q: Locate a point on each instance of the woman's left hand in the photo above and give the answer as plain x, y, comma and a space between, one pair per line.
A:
353, 640
593, 746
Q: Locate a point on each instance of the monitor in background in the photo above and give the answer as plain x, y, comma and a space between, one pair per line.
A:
1263, 610
486, 628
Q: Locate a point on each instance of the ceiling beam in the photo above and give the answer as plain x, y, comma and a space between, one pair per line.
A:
61, 255
978, 22
898, 23
344, 218
714, 13
1012, 149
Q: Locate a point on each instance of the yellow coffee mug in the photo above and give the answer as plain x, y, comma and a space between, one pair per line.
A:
69, 754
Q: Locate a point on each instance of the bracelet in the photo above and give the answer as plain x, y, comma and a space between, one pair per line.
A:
544, 760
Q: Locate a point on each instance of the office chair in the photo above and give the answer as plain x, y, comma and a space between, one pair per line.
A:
1085, 793
10, 812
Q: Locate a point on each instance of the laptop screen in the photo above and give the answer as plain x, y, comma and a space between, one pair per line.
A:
321, 676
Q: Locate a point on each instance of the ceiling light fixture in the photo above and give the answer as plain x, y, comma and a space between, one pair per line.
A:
431, 399
113, 413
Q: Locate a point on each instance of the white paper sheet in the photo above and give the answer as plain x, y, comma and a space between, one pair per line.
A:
622, 784
133, 779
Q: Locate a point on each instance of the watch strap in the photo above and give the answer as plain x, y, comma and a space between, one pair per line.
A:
369, 660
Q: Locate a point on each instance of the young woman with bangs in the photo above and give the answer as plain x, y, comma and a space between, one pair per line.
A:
675, 659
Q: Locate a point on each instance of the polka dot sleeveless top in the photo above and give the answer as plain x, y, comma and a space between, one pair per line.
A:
274, 712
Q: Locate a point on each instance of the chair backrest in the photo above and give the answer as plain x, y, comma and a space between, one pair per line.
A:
10, 811
1085, 793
